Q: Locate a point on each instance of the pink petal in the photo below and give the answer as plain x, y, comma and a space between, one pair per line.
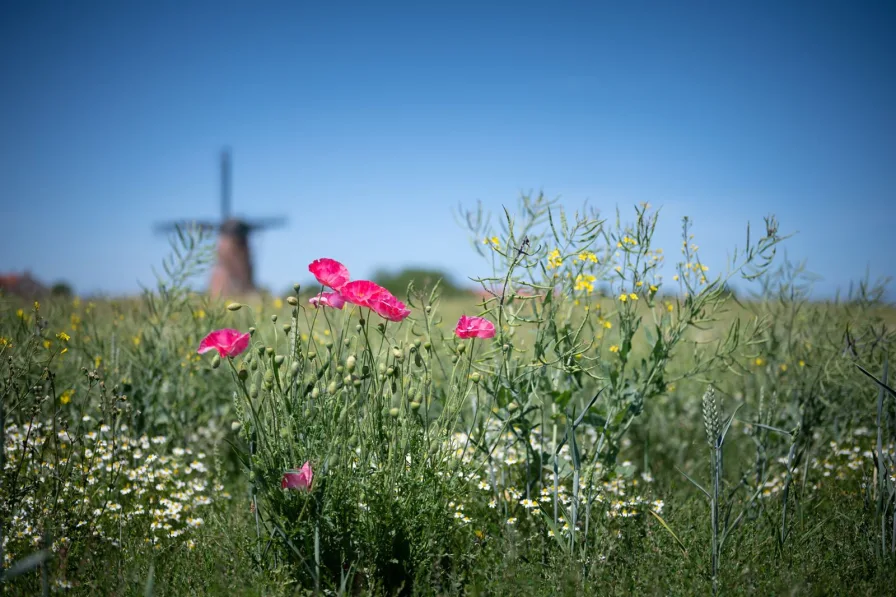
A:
362, 292
329, 299
329, 272
227, 342
474, 327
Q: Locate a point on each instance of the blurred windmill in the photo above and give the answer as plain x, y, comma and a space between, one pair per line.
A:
232, 274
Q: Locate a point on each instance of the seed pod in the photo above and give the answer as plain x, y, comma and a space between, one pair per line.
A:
234, 307
278, 360
242, 374
331, 389
297, 287
292, 301
287, 327
418, 360
350, 363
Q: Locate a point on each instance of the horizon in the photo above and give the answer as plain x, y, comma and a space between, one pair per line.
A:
367, 126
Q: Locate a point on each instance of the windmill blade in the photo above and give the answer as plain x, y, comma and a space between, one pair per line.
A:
173, 225
266, 223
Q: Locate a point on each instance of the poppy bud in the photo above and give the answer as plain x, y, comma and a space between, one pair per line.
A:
251, 331
297, 287
394, 412
331, 389
274, 318
287, 327
235, 426
350, 363
292, 301
242, 374
311, 355
234, 307
339, 368
415, 406
461, 349
278, 360
315, 393
269, 350
216, 361
475, 377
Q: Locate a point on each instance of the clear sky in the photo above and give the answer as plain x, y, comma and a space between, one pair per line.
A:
366, 123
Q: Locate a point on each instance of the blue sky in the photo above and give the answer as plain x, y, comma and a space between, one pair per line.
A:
365, 124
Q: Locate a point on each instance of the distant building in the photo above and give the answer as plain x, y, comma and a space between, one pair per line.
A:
22, 285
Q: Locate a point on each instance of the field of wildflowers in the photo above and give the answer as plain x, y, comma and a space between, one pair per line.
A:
584, 427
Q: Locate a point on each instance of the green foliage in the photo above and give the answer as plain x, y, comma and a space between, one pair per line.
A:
424, 280
543, 461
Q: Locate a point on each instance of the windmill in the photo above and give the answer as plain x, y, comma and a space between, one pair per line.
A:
232, 274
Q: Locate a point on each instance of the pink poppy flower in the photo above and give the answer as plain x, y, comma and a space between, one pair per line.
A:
227, 342
298, 479
389, 307
362, 293
474, 327
329, 299
329, 272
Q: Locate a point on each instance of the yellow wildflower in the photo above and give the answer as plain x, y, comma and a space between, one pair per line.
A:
633, 296
607, 324
63, 336
278, 303
614, 348
758, 362
554, 259
623, 297
66, 396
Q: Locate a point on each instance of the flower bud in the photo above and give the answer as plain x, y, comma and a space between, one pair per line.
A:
242, 374
340, 369
216, 361
394, 412
347, 379
350, 363
427, 345
235, 426
461, 348
292, 301
234, 307
415, 406
311, 355
269, 350
252, 331
297, 287
278, 360
331, 389
315, 393
475, 377
287, 327
274, 318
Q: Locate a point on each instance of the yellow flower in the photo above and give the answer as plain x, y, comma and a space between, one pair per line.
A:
639, 284
66, 396
669, 307
4, 342
802, 363
20, 314
278, 303
633, 296
200, 314
36, 306
136, 340
758, 362
783, 367
653, 288
47, 344
607, 324
618, 268
614, 348
554, 259
623, 297
97, 361
63, 336
675, 277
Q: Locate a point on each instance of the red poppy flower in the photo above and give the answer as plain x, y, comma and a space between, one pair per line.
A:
329, 299
474, 327
227, 342
329, 272
298, 478
389, 307
362, 293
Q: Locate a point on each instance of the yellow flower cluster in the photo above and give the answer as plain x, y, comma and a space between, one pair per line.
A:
493, 242
626, 241
585, 282
586, 256
554, 259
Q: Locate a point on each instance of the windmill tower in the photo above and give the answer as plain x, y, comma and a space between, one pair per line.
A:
232, 274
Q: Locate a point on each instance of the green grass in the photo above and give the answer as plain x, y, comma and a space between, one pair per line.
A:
553, 459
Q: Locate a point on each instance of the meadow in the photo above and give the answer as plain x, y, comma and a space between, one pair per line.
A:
593, 427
